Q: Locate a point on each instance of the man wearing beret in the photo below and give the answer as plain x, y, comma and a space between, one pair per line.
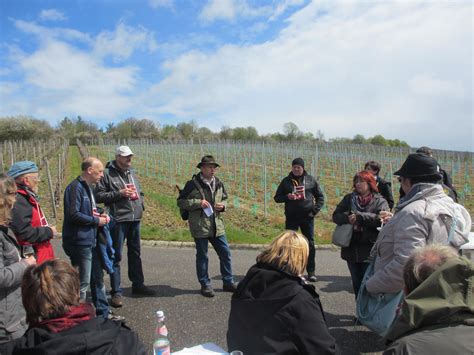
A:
205, 199
303, 199
28, 221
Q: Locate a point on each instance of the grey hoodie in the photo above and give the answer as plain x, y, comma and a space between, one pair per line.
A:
424, 216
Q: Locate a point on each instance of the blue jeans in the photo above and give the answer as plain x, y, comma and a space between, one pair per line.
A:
81, 258
357, 271
99, 296
129, 231
307, 229
221, 247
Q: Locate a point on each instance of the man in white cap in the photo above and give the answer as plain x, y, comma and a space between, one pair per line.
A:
120, 191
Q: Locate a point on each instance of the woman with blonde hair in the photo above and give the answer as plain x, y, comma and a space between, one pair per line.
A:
12, 267
274, 309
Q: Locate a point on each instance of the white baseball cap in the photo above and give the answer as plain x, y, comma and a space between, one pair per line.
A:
123, 151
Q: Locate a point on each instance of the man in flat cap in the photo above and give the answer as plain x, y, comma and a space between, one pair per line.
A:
28, 221
205, 198
303, 199
120, 191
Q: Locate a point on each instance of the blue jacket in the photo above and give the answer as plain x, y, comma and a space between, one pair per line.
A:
79, 226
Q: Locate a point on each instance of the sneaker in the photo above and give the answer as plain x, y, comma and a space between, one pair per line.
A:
115, 317
116, 300
143, 291
312, 277
207, 291
232, 287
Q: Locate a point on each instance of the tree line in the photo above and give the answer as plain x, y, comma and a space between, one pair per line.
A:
25, 127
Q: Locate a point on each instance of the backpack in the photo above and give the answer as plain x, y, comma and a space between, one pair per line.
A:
185, 213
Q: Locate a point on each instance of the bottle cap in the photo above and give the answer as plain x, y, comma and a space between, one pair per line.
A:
160, 314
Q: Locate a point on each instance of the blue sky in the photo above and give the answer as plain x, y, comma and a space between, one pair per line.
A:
403, 69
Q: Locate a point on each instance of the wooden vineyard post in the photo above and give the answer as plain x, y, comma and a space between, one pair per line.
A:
265, 191
51, 191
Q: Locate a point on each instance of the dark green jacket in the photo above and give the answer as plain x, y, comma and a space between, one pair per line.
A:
438, 316
200, 225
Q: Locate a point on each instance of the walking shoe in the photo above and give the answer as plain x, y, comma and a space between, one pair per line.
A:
143, 291
231, 287
115, 317
116, 300
207, 291
312, 277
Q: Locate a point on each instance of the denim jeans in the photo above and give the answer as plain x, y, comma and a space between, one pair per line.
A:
221, 247
307, 229
99, 296
81, 258
357, 271
130, 232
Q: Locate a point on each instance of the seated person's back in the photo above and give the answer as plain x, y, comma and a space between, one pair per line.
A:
274, 310
60, 324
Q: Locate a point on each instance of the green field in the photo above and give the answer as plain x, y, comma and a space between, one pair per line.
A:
251, 174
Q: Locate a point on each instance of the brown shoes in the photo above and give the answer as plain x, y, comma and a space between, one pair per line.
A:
116, 300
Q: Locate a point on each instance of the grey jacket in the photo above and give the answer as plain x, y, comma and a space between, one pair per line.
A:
12, 267
423, 217
108, 189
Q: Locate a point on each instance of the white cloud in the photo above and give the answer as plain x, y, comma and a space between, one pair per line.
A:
426, 85
122, 42
230, 10
161, 3
60, 79
52, 15
344, 68
47, 33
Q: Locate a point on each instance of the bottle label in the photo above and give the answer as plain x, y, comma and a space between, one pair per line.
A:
161, 347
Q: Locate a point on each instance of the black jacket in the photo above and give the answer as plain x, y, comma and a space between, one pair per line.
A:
368, 220
273, 312
310, 206
108, 191
94, 336
22, 217
385, 189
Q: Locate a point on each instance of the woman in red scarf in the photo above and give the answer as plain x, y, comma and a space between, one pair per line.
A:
361, 208
60, 324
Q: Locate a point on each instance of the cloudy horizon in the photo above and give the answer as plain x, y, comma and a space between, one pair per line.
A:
396, 68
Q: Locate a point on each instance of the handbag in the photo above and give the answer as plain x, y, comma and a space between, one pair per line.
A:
342, 235
377, 311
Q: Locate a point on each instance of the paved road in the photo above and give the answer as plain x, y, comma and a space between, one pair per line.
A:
193, 319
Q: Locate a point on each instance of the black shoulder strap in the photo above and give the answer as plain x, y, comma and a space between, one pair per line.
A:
198, 186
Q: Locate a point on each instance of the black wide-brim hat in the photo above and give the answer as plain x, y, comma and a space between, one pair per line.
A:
419, 165
207, 160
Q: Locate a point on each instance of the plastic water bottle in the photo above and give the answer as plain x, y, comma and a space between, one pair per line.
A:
161, 345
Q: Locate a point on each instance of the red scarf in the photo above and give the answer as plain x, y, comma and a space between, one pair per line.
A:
364, 200
75, 316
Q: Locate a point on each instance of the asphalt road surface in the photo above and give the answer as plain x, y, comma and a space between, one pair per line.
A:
193, 319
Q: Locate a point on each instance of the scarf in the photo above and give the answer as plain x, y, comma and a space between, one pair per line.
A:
76, 315
360, 203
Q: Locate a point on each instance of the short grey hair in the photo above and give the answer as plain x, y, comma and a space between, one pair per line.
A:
424, 261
